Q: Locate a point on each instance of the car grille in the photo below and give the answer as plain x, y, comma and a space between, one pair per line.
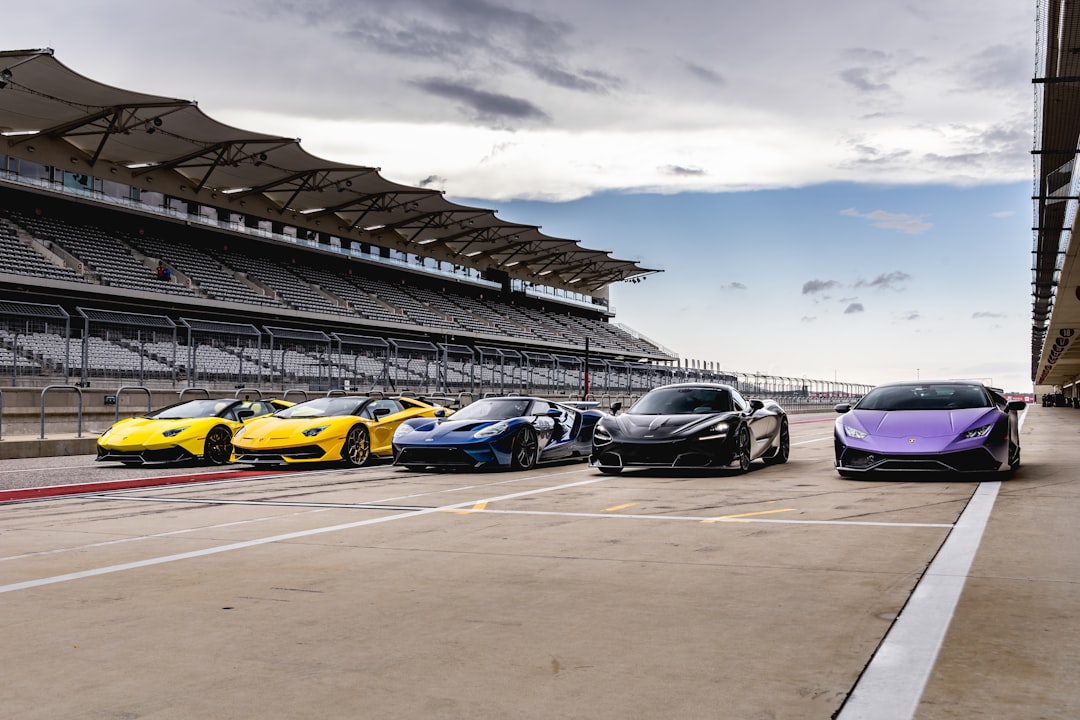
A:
675, 455
977, 460
165, 455
434, 456
305, 452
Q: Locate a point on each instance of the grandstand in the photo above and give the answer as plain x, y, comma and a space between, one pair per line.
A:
148, 245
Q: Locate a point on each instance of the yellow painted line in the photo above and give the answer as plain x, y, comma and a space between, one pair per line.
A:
751, 514
474, 508
621, 507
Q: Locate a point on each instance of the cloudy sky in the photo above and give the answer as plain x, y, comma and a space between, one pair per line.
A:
834, 190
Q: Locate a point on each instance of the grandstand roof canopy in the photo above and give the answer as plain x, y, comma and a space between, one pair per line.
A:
1055, 340
171, 146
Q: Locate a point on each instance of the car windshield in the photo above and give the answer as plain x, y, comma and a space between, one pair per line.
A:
193, 409
683, 401
938, 396
494, 409
323, 407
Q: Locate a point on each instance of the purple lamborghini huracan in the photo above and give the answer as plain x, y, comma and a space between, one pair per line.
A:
949, 426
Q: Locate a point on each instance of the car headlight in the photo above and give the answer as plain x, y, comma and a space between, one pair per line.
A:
491, 430
978, 432
239, 431
716, 431
853, 432
403, 430
173, 432
312, 432
600, 435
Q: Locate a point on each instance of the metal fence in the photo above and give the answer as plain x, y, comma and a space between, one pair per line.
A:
41, 345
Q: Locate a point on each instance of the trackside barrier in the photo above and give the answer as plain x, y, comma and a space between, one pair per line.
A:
120, 391
77, 389
285, 395
186, 390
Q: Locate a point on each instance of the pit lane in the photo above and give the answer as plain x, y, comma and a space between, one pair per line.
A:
382, 592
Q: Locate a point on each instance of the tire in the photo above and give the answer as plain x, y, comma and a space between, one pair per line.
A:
357, 448
524, 450
1014, 456
783, 450
218, 448
742, 450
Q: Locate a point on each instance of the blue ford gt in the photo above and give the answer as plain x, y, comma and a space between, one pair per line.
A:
508, 432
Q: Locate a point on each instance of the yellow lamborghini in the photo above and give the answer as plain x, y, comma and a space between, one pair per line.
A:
349, 429
188, 431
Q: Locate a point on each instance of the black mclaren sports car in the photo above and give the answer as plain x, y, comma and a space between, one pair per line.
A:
692, 426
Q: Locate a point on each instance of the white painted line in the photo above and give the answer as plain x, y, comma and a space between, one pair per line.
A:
711, 520
256, 503
154, 536
807, 442
279, 538
125, 495
892, 684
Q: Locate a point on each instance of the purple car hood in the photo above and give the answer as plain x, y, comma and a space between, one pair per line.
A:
920, 423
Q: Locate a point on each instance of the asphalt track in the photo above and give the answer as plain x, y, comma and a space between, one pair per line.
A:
787, 592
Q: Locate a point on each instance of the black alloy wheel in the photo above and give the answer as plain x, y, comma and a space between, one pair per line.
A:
524, 450
742, 449
218, 448
782, 452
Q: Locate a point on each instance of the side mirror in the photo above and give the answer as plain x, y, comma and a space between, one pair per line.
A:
616, 407
380, 413
243, 415
842, 407
554, 413
440, 413
756, 405
1016, 406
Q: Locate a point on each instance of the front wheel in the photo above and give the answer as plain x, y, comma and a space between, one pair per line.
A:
357, 448
525, 450
783, 449
742, 449
218, 448
1014, 456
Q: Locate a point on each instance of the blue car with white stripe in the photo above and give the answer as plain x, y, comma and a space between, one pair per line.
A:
507, 432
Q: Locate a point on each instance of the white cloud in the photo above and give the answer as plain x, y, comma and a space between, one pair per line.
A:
907, 224
587, 100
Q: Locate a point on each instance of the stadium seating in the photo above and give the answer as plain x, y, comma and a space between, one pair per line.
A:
251, 275
20, 258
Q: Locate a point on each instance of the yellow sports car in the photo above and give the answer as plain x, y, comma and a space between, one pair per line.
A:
351, 429
188, 431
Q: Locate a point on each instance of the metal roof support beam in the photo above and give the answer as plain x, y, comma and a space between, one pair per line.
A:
277, 184
68, 128
366, 197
